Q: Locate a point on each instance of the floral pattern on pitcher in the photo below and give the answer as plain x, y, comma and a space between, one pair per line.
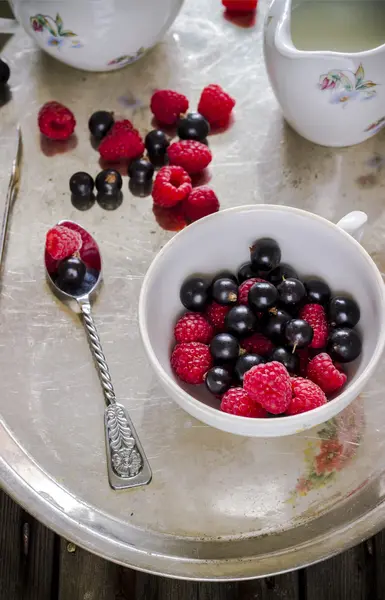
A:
127, 59
376, 126
58, 36
346, 86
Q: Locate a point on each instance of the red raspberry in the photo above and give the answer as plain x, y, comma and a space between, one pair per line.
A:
167, 106
314, 314
216, 314
257, 344
326, 374
245, 287
191, 362
193, 327
62, 242
122, 142
171, 185
237, 402
216, 105
240, 5
191, 155
269, 385
201, 202
306, 396
56, 121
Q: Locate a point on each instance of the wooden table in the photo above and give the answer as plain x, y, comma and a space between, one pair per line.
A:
35, 564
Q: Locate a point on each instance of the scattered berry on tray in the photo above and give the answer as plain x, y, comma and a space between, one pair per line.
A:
167, 106
156, 143
193, 327
172, 185
100, 123
71, 272
269, 385
306, 396
202, 201
216, 105
141, 170
237, 402
193, 127
191, 361
315, 315
122, 142
109, 182
5, 72
62, 242
240, 6
191, 155
81, 184
218, 380
56, 121
327, 375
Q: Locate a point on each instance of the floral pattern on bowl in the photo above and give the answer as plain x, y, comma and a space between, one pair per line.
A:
376, 125
346, 85
57, 34
127, 59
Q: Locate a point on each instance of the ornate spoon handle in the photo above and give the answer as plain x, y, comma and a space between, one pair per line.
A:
127, 464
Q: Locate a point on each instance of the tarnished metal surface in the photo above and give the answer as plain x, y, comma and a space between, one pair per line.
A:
219, 506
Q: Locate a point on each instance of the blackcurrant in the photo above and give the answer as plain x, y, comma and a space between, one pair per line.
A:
225, 291
141, 170
291, 292
262, 296
5, 72
194, 293
318, 292
140, 189
343, 312
344, 345
288, 359
81, 184
156, 143
240, 321
193, 127
218, 380
298, 333
265, 255
100, 123
245, 363
71, 272
245, 272
274, 325
225, 275
108, 182
224, 347
280, 273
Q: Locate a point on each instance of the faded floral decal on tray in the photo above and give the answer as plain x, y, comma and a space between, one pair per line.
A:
376, 126
345, 86
55, 27
127, 59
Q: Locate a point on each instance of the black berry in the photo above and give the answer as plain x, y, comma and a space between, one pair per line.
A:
5, 72
298, 333
343, 312
141, 170
274, 325
224, 347
288, 359
344, 345
109, 182
81, 184
156, 143
245, 272
193, 127
265, 255
194, 293
262, 296
71, 272
100, 123
225, 275
245, 363
225, 291
291, 292
240, 321
280, 273
318, 292
218, 380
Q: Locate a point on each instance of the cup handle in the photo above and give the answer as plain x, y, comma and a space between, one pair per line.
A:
9, 26
354, 224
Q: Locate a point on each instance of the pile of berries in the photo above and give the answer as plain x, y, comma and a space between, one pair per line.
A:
264, 341
108, 185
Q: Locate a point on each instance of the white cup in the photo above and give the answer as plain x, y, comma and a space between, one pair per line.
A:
313, 246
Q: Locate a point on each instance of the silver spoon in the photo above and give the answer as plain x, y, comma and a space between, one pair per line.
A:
126, 462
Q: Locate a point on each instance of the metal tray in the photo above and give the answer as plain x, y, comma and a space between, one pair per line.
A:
219, 506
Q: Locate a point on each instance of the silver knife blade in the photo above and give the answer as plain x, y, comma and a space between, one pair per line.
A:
13, 188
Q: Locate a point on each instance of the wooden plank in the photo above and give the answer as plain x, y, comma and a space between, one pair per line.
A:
26, 554
379, 558
282, 587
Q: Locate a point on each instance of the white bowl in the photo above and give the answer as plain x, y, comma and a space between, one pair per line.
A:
313, 246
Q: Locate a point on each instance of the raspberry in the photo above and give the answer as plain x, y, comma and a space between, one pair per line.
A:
314, 314
326, 374
191, 362
306, 396
122, 142
257, 344
245, 287
191, 155
167, 106
171, 185
62, 242
56, 121
201, 202
269, 385
193, 327
216, 105
237, 402
240, 5
216, 314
